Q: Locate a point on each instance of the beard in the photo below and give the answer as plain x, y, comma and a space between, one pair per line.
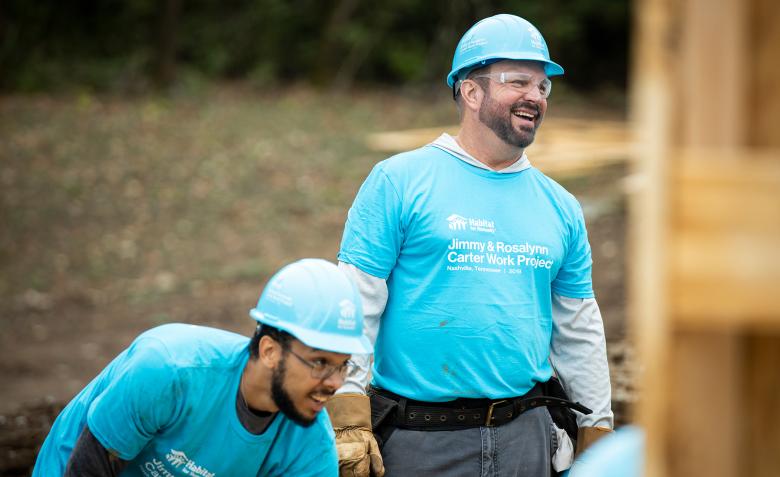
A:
499, 119
282, 398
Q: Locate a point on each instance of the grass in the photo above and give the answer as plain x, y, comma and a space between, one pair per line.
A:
136, 199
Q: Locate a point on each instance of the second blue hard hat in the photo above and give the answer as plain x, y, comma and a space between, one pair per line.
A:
316, 303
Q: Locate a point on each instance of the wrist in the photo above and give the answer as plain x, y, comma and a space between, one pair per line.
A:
586, 436
349, 410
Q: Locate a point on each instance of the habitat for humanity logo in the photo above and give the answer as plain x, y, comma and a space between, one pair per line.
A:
469, 43
347, 319
276, 293
536, 38
180, 460
458, 222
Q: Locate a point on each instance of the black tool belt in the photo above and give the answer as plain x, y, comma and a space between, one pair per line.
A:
390, 411
461, 413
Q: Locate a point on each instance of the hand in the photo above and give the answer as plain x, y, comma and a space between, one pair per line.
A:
358, 453
586, 436
358, 450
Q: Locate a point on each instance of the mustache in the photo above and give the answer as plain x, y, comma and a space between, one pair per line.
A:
526, 105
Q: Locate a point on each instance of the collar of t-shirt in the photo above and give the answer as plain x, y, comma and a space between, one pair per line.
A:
448, 143
255, 422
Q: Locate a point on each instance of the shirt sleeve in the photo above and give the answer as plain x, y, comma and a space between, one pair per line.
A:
90, 459
574, 277
578, 354
373, 294
142, 398
373, 233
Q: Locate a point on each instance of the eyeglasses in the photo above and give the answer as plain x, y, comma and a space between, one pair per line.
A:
320, 369
520, 82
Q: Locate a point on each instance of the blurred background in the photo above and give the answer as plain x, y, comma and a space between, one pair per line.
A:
136, 46
160, 159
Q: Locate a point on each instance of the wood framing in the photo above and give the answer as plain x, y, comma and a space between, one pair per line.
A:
705, 230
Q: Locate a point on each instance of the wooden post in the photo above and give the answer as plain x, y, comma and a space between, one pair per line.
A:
705, 229
651, 80
764, 97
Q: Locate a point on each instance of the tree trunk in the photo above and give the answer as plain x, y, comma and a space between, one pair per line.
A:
167, 25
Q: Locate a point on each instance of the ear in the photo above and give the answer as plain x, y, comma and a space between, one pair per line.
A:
471, 95
269, 352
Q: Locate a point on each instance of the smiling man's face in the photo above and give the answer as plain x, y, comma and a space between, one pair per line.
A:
513, 117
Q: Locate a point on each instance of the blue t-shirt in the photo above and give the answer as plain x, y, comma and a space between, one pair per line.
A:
167, 404
471, 257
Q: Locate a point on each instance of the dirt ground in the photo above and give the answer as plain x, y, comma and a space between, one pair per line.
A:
55, 337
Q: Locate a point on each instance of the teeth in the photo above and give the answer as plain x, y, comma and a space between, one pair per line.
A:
523, 114
321, 398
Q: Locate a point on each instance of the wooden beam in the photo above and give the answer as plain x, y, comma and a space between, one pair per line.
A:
763, 69
705, 413
761, 402
564, 146
651, 109
713, 73
725, 254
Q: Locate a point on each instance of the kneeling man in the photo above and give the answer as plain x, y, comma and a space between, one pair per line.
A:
196, 401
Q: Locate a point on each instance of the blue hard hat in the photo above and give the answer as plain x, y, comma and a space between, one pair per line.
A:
619, 454
496, 38
316, 303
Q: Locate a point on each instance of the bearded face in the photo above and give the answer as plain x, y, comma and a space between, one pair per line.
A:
514, 100
283, 399
514, 123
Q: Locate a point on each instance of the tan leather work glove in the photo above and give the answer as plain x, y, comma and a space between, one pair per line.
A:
586, 436
350, 414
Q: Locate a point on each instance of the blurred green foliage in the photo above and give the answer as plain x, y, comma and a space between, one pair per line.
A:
132, 45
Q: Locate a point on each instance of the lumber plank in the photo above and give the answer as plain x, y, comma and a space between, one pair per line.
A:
725, 249
564, 146
705, 387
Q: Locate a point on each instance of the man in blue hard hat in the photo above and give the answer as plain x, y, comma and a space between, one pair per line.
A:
475, 274
187, 400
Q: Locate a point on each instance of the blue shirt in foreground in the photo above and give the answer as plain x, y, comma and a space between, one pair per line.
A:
167, 404
471, 258
619, 454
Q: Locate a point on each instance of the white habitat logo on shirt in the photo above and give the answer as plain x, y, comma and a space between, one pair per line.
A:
177, 458
180, 461
458, 222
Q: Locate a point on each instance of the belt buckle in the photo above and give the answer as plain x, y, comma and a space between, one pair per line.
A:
489, 416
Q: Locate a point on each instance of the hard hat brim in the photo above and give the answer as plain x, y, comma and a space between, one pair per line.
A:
336, 343
551, 68
333, 342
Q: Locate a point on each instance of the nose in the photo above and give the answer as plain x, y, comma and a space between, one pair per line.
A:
334, 381
534, 95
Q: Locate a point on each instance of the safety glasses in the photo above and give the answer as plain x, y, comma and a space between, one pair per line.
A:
320, 369
520, 82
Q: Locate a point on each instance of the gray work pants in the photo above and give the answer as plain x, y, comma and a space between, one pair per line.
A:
520, 448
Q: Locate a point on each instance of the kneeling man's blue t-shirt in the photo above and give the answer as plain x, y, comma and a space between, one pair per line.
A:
167, 404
